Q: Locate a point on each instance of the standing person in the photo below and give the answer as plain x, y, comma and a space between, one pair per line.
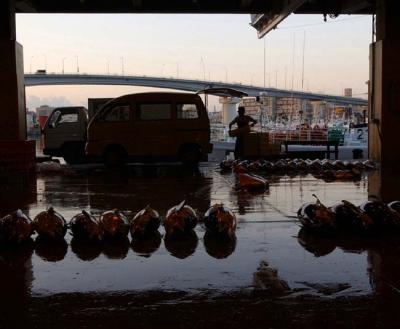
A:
242, 121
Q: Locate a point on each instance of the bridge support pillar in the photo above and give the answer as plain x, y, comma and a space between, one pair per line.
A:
384, 120
228, 108
273, 107
15, 152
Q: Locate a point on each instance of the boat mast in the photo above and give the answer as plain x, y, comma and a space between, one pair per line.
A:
294, 44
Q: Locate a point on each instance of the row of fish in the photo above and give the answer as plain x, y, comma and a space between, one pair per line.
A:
295, 165
180, 220
370, 216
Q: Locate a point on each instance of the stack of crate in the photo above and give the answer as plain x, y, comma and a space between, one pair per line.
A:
250, 147
257, 144
266, 147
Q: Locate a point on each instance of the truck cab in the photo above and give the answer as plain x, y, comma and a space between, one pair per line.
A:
65, 134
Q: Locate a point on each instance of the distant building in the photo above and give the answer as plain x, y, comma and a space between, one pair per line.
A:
288, 108
32, 126
348, 92
252, 107
215, 117
43, 112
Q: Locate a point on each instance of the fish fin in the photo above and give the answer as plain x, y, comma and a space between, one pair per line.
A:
86, 213
20, 213
180, 206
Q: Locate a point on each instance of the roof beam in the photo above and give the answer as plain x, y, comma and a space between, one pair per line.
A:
266, 22
24, 6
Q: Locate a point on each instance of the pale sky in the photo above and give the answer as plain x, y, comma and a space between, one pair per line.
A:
194, 46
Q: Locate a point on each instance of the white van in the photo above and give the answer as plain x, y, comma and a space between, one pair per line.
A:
150, 126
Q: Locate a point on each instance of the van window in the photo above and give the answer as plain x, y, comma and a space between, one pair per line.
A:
69, 118
154, 111
116, 113
187, 111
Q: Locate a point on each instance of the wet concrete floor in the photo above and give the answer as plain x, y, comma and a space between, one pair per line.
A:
272, 275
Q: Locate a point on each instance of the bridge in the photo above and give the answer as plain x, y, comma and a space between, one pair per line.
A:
41, 79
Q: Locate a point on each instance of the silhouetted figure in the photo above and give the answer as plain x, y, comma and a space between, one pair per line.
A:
242, 121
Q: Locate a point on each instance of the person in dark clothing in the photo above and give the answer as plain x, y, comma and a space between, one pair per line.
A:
242, 121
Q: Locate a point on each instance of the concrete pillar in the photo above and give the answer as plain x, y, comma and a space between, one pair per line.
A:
12, 89
273, 108
384, 116
228, 108
15, 152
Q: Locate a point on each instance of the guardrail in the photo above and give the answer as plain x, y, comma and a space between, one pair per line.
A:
298, 135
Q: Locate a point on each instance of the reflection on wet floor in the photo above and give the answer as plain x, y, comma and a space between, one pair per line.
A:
147, 245
270, 252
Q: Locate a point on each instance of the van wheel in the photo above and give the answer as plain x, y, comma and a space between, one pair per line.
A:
114, 157
73, 153
190, 155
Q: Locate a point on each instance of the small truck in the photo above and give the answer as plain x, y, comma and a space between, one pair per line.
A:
65, 134
65, 131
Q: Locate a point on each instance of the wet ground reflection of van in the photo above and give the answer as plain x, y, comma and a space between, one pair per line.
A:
148, 126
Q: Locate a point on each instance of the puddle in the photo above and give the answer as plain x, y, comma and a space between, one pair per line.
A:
269, 251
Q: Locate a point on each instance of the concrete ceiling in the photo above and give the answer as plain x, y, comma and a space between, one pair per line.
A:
193, 6
265, 14
144, 6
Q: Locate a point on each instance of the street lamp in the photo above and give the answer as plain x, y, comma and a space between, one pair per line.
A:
226, 74
108, 66
251, 79
204, 69
268, 78
77, 63
45, 61
122, 66
285, 76
30, 64
63, 60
